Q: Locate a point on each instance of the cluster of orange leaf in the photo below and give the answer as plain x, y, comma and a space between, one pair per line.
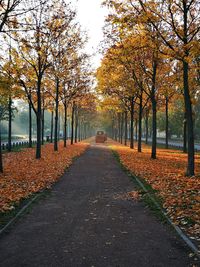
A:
24, 175
166, 174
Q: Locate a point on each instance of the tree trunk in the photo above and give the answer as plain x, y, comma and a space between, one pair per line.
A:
154, 129
122, 127
185, 134
79, 131
136, 129
52, 117
129, 130
72, 124
115, 133
82, 131
190, 127
88, 130
154, 111
131, 127
43, 126
30, 125
76, 125
147, 126
119, 127
10, 124
38, 118
65, 124
59, 119
1, 160
167, 122
56, 116
140, 124
85, 131
126, 128
113, 130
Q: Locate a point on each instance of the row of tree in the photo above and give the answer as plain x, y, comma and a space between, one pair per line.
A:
152, 60
43, 62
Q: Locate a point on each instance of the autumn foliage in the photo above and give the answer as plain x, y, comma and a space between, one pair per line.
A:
179, 193
24, 175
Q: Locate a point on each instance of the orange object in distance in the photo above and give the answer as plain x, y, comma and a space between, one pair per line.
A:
101, 137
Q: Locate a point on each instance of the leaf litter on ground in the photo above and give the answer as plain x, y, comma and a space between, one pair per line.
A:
24, 175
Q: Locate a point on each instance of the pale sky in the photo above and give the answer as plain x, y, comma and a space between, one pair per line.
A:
91, 16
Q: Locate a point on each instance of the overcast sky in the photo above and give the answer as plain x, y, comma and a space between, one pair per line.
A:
91, 16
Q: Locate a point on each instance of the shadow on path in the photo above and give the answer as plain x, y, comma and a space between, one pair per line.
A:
82, 223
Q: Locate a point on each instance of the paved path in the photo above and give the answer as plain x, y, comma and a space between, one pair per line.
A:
82, 223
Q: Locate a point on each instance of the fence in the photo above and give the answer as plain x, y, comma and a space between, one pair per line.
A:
17, 144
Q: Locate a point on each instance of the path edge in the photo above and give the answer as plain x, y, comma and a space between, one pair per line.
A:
20, 212
33, 198
178, 230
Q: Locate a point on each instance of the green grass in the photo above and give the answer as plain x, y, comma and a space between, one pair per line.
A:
5, 217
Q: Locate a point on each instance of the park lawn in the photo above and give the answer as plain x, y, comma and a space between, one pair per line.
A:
24, 175
180, 194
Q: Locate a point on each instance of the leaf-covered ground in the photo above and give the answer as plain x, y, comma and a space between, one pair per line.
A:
166, 174
24, 175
